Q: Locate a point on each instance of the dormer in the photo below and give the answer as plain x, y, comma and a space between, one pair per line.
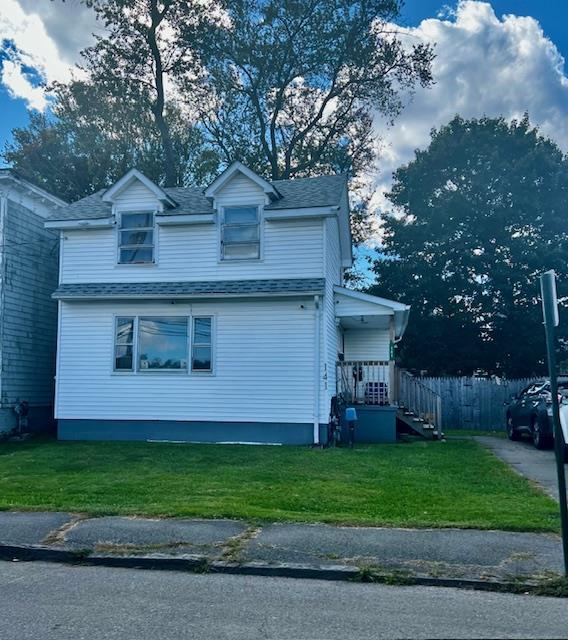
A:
238, 170
135, 202
239, 197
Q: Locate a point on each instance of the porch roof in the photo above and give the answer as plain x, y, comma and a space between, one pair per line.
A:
215, 289
361, 310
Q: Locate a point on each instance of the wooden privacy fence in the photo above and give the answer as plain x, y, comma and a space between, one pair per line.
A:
474, 403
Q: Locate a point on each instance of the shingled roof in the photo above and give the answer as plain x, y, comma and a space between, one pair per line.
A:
222, 288
299, 193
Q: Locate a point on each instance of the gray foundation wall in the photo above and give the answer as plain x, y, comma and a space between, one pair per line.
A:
374, 424
207, 432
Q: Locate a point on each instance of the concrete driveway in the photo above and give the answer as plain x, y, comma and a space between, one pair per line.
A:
538, 466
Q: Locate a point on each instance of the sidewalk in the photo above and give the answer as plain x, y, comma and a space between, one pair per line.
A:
303, 550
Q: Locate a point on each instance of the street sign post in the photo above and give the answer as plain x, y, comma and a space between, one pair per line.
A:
551, 321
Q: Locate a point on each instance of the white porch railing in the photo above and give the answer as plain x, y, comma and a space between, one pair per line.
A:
365, 381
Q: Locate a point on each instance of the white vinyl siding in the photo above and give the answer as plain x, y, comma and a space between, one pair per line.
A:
367, 344
263, 365
291, 249
332, 335
135, 196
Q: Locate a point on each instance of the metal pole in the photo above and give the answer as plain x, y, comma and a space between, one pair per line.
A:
550, 312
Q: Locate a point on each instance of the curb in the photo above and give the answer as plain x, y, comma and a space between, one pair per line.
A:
201, 564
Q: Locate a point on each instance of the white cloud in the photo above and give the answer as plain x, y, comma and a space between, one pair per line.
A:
19, 86
36, 43
485, 65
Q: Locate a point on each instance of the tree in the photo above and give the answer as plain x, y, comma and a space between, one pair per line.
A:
292, 87
123, 108
477, 216
91, 139
140, 52
289, 87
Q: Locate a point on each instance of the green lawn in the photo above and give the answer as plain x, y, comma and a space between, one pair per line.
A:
420, 484
467, 433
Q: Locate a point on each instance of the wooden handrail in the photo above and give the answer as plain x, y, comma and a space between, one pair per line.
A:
416, 397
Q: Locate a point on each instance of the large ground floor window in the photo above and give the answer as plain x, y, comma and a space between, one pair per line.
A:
163, 343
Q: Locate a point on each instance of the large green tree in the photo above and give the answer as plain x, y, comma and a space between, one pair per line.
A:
293, 86
123, 107
290, 87
478, 215
91, 139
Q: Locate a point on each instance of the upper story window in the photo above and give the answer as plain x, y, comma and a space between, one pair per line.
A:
136, 237
240, 233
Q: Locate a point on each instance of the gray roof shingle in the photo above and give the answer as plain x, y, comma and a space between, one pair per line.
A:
322, 191
299, 193
221, 288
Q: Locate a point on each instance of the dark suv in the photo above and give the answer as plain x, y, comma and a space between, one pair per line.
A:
530, 412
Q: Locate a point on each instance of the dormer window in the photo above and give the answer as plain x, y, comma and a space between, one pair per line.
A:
136, 237
240, 233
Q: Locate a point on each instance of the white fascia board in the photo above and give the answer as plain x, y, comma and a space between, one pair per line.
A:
185, 219
127, 178
306, 212
96, 223
239, 167
401, 322
365, 297
30, 188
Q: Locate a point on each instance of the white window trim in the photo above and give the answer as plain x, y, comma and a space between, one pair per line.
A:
118, 217
221, 222
136, 371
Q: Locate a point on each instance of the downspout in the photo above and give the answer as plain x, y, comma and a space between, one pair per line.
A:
317, 316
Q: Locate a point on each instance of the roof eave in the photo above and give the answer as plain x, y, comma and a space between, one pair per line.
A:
238, 167
38, 192
186, 296
134, 174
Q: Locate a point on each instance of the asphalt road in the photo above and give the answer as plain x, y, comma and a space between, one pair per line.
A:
55, 602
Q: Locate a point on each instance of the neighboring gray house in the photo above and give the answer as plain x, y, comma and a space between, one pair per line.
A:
28, 315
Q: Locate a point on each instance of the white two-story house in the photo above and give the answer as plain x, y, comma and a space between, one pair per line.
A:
216, 314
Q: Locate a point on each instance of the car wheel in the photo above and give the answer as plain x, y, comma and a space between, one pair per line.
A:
511, 433
540, 439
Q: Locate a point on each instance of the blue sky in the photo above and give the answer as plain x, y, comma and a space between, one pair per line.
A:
481, 67
552, 15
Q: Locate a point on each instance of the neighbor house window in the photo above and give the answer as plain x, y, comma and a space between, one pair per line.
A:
201, 351
162, 344
136, 238
240, 233
124, 344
